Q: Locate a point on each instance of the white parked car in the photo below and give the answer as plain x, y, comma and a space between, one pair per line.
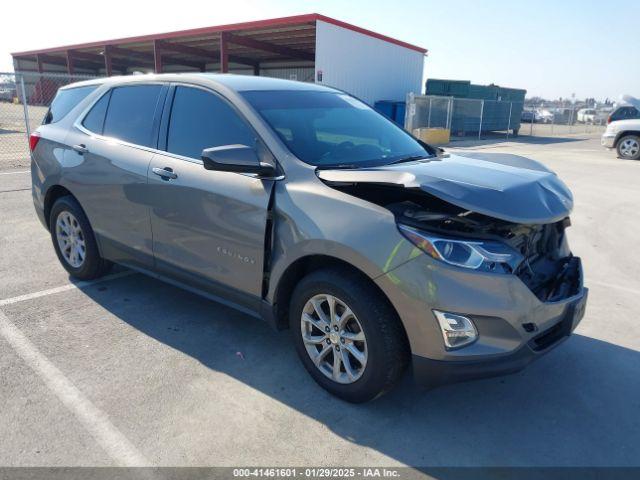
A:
586, 115
544, 116
624, 136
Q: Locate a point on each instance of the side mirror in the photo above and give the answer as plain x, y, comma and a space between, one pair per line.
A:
235, 158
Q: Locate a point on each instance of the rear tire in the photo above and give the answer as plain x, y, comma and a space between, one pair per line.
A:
628, 147
74, 240
373, 333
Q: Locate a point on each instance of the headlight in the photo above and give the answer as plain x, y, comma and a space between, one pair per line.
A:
477, 255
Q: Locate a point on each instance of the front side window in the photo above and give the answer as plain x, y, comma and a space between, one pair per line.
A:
329, 129
200, 119
130, 113
64, 101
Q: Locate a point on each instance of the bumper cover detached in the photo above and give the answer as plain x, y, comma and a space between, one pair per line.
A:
431, 373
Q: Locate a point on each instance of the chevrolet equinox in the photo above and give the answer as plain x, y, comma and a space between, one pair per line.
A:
301, 205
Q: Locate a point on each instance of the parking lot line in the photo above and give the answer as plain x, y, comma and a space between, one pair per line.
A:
14, 173
15, 190
64, 288
97, 423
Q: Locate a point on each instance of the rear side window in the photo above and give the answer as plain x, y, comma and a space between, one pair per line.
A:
625, 113
64, 102
200, 120
94, 121
130, 113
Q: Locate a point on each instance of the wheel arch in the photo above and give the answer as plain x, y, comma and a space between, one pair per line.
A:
624, 134
305, 265
54, 192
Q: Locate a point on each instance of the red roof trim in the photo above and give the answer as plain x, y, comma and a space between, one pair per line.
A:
273, 22
370, 33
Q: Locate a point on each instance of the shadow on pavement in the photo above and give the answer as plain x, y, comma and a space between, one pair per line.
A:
6, 131
576, 406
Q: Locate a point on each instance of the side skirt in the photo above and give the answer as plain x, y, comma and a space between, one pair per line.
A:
203, 293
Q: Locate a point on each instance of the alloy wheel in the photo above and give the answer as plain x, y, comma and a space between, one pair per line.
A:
629, 147
334, 338
70, 239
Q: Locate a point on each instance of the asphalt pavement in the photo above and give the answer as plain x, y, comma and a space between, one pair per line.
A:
131, 371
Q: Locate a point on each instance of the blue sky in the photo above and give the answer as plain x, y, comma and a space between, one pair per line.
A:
551, 48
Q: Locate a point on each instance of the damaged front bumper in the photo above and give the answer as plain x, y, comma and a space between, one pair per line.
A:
514, 326
432, 373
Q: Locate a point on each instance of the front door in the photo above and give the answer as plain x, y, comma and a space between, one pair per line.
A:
208, 226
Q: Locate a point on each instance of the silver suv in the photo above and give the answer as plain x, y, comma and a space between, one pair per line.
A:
299, 204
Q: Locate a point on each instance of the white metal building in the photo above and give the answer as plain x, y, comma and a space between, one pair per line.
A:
369, 67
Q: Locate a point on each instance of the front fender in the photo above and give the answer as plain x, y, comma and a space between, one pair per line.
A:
314, 219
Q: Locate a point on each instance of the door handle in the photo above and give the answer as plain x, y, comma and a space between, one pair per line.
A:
166, 173
81, 149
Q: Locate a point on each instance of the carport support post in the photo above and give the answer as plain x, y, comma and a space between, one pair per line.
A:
70, 66
108, 63
39, 64
157, 57
224, 54
509, 121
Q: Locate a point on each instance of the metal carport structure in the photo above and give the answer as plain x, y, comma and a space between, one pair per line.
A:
248, 47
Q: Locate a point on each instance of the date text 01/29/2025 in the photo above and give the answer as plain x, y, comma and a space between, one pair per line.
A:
316, 472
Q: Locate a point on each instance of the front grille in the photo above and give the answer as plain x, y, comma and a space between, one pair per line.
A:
553, 280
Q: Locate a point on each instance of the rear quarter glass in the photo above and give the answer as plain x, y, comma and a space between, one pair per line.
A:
64, 101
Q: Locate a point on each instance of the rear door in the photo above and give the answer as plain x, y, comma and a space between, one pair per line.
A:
111, 150
208, 226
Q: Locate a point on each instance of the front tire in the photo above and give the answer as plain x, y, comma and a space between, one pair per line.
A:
349, 339
628, 147
74, 240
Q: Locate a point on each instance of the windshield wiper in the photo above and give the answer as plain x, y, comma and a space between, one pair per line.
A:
410, 158
339, 166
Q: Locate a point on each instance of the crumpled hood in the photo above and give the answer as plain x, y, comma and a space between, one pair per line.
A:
507, 187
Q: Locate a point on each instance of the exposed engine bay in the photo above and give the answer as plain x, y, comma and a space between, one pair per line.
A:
545, 263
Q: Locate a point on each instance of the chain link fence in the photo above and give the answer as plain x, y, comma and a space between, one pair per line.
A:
557, 120
438, 119
24, 100
26, 96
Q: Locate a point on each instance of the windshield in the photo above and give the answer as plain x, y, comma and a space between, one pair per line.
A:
332, 129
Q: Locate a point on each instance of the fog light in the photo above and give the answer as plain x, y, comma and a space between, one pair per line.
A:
457, 331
